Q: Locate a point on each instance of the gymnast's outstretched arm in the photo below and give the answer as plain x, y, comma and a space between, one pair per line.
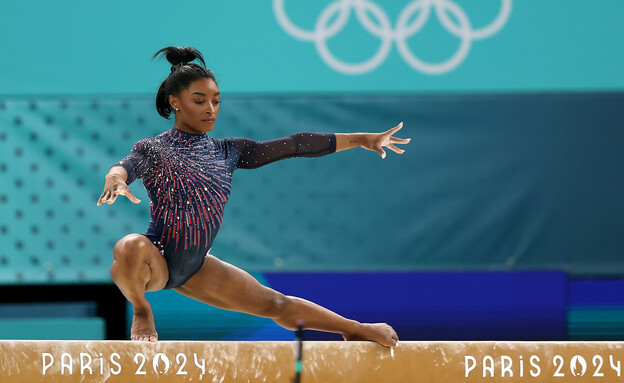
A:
254, 154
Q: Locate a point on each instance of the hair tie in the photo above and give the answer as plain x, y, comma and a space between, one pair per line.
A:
176, 66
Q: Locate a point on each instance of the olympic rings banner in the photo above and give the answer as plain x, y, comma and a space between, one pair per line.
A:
323, 31
316, 46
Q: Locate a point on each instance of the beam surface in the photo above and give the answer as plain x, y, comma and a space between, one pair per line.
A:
124, 361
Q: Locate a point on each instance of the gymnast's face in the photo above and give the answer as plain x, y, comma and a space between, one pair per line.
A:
197, 106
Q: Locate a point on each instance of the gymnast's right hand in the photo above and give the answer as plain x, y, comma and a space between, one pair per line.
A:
116, 185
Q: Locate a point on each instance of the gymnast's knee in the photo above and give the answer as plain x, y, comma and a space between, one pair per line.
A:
130, 249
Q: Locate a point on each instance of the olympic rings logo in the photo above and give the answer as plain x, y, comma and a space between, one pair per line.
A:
403, 30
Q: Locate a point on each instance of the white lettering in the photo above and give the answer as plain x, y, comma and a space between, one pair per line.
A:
112, 360
202, 367
488, 365
506, 364
534, 360
597, 362
617, 368
101, 361
468, 367
45, 365
86, 366
136, 361
68, 365
558, 362
181, 369
521, 367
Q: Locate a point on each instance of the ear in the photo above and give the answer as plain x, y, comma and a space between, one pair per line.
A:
173, 101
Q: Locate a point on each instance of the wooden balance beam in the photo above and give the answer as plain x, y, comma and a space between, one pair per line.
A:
323, 362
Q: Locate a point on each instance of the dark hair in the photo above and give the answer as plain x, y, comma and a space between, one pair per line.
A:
183, 73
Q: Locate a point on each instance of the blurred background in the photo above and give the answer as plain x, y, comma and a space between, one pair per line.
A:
503, 220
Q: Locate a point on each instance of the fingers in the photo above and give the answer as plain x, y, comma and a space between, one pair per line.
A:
390, 141
129, 194
126, 191
381, 152
395, 337
107, 197
110, 197
104, 197
395, 149
395, 129
396, 140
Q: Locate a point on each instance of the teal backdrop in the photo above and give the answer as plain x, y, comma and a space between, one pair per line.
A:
80, 47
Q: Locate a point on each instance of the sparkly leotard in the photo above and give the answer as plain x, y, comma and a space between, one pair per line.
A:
188, 178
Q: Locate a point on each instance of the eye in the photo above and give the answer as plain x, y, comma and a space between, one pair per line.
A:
199, 102
216, 102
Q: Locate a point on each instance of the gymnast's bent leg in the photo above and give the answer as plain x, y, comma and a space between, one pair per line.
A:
139, 267
223, 285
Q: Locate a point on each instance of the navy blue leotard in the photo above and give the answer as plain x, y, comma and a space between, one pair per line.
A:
188, 178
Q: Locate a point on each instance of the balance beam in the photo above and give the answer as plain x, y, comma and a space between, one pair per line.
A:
323, 362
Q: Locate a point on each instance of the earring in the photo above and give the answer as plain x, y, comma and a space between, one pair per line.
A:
177, 109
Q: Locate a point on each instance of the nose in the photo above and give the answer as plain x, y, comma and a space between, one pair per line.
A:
211, 108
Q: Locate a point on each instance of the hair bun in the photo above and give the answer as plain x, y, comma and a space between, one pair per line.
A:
180, 55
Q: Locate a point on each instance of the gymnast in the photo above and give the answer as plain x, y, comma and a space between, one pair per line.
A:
188, 177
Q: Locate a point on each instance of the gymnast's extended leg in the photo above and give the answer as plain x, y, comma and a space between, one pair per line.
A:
223, 285
138, 267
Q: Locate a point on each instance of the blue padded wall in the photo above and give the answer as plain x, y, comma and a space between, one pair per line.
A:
441, 305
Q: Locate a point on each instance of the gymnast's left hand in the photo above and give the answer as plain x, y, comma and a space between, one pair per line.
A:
115, 185
377, 141
372, 141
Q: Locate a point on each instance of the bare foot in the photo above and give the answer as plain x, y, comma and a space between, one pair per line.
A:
143, 328
381, 333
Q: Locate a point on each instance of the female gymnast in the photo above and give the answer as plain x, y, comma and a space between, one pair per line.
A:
188, 176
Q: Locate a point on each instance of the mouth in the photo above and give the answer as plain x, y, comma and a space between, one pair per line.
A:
208, 120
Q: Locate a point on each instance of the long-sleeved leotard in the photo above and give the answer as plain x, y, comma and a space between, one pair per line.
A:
188, 178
